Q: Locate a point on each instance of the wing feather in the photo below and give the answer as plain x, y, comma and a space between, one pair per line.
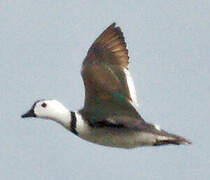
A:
109, 47
104, 72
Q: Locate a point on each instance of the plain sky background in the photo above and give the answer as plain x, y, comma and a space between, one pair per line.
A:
42, 46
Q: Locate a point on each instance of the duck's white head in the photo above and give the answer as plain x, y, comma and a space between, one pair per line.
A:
48, 109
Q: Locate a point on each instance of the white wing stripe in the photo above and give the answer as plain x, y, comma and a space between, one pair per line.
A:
131, 87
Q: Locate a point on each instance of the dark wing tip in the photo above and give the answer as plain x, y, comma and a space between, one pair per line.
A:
112, 25
110, 47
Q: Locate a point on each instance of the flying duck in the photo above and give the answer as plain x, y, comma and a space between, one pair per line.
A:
109, 116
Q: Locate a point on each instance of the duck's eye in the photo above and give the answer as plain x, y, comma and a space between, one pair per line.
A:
44, 105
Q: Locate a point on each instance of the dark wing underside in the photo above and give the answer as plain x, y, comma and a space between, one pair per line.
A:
107, 92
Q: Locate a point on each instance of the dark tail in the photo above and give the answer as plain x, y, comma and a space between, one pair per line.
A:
176, 140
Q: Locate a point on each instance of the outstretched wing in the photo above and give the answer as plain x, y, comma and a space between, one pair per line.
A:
108, 84
105, 68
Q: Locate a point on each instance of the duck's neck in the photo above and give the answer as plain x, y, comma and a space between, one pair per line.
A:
71, 120
64, 118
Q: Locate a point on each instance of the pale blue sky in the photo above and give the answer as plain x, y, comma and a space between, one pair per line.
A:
42, 46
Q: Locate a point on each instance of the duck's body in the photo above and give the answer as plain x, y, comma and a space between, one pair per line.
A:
116, 136
109, 116
108, 135
113, 136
